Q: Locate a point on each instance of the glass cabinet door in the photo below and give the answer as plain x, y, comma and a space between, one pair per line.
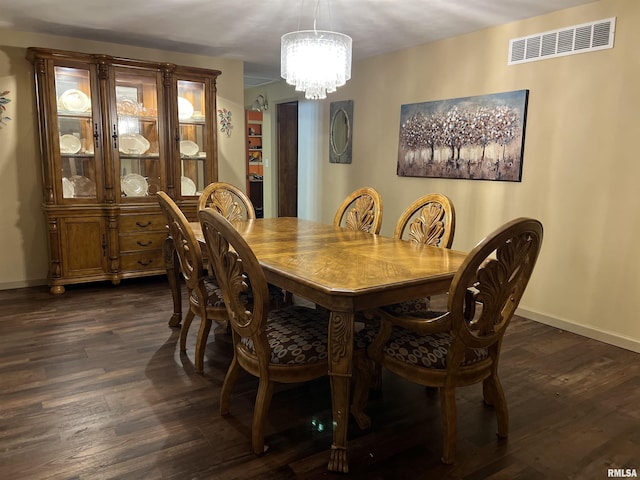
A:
192, 137
78, 175
138, 134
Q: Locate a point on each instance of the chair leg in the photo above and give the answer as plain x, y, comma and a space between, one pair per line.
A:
227, 386
287, 298
201, 344
185, 330
261, 409
448, 406
494, 395
362, 374
376, 382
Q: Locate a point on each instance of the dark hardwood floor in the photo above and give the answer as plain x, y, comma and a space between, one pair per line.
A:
92, 386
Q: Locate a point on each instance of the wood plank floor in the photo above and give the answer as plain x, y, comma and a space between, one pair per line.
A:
92, 386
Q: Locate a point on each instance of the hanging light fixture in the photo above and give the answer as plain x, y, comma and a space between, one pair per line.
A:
315, 61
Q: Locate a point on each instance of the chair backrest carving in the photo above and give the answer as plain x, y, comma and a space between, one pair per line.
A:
431, 220
228, 200
360, 211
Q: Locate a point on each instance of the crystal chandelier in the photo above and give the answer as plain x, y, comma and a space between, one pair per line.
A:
315, 61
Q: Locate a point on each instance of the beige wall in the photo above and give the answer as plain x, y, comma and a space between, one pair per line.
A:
580, 170
23, 260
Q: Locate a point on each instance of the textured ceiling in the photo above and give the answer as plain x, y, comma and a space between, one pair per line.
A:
250, 30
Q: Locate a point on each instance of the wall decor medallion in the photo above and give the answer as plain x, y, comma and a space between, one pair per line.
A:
341, 132
225, 121
476, 138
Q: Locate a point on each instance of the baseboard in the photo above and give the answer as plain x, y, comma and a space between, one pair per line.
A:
23, 284
589, 332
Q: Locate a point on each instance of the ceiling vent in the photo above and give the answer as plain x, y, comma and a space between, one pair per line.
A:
586, 37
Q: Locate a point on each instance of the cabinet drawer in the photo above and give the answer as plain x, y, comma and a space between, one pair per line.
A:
151, 260
150, 241
143, 223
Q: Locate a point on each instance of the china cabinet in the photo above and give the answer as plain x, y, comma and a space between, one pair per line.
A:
255, 172
113, 132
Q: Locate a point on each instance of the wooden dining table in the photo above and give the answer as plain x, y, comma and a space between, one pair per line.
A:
344, 272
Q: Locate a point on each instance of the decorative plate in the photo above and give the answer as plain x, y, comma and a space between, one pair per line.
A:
82, 186
133, 144
187, 186
128, 106
67, 188
69, 144
134, 185
73, 100
185, 109
189, 148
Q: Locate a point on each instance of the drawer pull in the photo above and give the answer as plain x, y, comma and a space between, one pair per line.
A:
145, 264
144, 244
141, 225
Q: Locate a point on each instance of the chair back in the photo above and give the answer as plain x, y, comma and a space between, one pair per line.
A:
360, 211
186, 245
228, 200
236, 268
487, 288
431, 220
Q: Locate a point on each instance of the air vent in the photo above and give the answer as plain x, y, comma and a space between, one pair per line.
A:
587, 37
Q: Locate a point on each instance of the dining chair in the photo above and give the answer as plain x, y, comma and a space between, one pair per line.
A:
232, 203
287, 345
205, 297
360, 211
462, 346
228, 200
430, 220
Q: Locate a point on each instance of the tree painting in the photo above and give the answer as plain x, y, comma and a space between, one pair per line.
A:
479, 138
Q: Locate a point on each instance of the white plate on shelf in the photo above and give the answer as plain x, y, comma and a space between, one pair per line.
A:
187, 186
128, 107
67, 188
73, 100
133, 144
185, 109
189, 148
82, 186
134, 185
69, 144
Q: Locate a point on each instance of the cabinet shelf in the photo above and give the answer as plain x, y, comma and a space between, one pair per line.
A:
150, 156
254, 164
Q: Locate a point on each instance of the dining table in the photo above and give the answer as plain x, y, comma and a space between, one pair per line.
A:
344, 272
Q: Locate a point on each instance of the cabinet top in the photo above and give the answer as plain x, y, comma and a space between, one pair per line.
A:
35, 53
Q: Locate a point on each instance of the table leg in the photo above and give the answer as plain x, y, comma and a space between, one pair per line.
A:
340, 367
172, 264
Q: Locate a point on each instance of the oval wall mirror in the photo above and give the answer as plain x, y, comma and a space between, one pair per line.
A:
340, 131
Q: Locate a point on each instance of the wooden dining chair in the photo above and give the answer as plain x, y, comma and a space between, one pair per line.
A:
287, 345
462, 346
205, 297
228, 200
360, 211
430, 220
232, 203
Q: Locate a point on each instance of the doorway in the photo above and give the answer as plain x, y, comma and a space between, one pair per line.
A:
287, 137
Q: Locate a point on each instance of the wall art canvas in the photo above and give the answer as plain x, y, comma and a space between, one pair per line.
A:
475, 138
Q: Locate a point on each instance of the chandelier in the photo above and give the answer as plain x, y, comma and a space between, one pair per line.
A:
315, 61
